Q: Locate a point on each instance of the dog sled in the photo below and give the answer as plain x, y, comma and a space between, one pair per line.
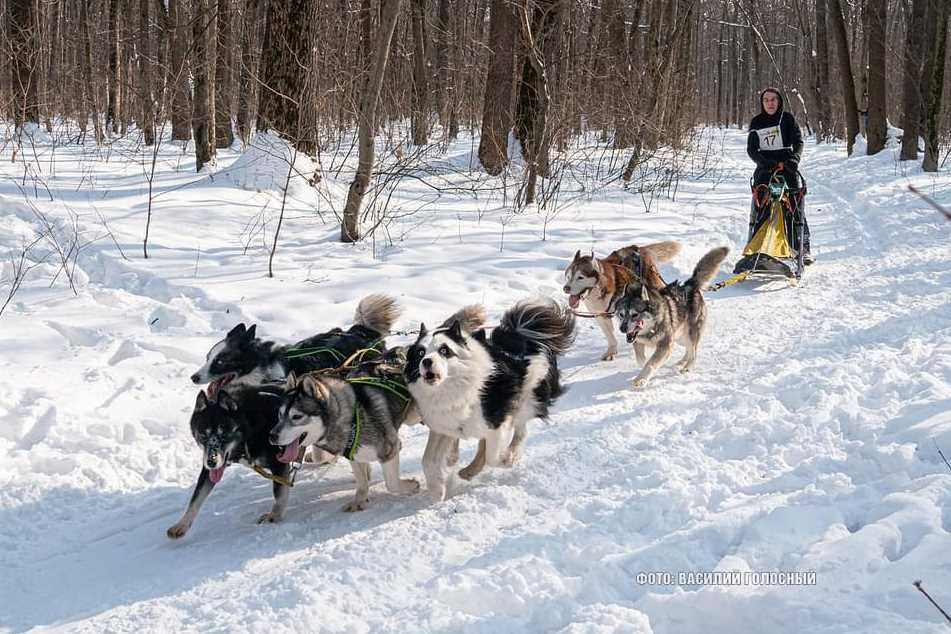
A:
774, 250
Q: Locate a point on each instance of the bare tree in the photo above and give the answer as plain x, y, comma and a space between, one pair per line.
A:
21, 23
203, 116
935, 87
254, 12
350, 227
146, 105
286, 63
912, 87
877, 130
497, 108
224, 136
180, 103
845, 72
420, 121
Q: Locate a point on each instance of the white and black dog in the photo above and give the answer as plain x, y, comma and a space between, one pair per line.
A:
473, 386
241, 358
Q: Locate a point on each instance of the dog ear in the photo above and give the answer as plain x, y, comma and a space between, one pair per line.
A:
201, 402
237, 331
291, 382
251, 333
577, 256
479, 335
422, 332
308, 385
225, 401
455, 330
314, 388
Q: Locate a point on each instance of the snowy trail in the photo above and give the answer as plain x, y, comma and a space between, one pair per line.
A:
804, 440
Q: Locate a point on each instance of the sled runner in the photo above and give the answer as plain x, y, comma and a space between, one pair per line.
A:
770, 252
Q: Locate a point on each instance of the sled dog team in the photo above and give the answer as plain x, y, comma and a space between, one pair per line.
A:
343, 393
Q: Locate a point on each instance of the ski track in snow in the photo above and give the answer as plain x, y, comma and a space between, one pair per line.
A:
805, 439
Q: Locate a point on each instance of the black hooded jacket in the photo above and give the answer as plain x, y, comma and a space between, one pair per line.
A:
773, 139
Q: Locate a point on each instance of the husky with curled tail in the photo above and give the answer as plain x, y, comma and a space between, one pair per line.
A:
467, 384
658, 318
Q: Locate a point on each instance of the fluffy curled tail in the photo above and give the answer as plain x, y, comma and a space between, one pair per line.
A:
662, 251
471, 318
707, 267
377, 312
543, 321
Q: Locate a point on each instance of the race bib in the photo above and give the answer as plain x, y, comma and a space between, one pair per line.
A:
770, 138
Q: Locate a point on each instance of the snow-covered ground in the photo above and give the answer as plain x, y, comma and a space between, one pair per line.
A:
806, 439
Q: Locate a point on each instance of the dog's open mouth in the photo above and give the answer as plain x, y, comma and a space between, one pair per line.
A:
215, 475
215, 386
431, 377
635, 329
291, 453
575, 300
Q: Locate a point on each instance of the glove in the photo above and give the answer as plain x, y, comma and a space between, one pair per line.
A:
793, 164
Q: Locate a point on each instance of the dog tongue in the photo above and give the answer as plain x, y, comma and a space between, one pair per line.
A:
215, 474
574, 300
290, 452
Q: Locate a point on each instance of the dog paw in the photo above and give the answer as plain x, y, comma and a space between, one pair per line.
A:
177, 531
609, 355
685, 368
408, 486
510, 459
639, 383
470, 472
270, 518
355, 505
452, 459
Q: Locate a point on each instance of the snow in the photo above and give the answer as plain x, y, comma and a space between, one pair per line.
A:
805, 440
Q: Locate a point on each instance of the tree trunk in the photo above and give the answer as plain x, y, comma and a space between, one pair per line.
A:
350, 227
877, 127
845, 70
203, 118
115, 69
935, 88
911, 93
534, 99
286, 63
224, 136
254, 12
146, 103
822, 88
21, 24
180, 105
446, 70
497, 107
420, 121
88, 71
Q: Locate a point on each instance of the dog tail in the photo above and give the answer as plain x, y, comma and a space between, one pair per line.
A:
471, 317
541, 320
377, 312
662, 251
707, 267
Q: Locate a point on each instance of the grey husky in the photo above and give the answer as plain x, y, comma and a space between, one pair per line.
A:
660, 317
357, 416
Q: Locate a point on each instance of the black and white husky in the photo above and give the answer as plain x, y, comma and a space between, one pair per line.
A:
468, 385
233, 427
241, 358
